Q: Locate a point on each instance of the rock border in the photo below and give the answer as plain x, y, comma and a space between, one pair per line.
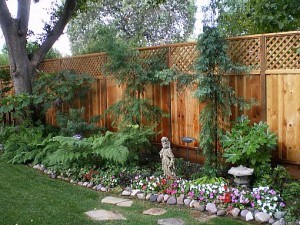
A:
211, 208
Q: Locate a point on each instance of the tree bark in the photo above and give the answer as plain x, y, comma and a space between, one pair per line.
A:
15, 30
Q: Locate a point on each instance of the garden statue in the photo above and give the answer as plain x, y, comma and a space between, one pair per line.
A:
167, 157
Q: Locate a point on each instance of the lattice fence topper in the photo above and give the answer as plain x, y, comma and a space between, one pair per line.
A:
245, 52
282, 52
183, 57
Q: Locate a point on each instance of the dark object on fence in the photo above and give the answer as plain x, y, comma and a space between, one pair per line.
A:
187, 140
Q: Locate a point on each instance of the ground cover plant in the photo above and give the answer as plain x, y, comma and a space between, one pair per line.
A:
30, 197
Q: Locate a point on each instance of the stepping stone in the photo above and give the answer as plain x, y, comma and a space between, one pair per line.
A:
171, 221
104, 215
125, 204
114, 200
155, 211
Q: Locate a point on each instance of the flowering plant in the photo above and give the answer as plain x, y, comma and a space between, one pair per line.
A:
262, 198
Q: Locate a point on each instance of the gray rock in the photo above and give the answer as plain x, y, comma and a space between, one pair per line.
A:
271, 220
197, 205
211, 208
135, 192
126, 193
160, 198
235, 212
221, 212
279, 222
262, 217
153, 198
99, 186
187, 201
278, 215
244, 213
37, 166
104, 215
79, 183
171, 200
171, 221
90, 185
192, 203
141, 196
155, 211
148, 196
104, 189
249, 216
166, 197
256, 211
180, 199
202, 208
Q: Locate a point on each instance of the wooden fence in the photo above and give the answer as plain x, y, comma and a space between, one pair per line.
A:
275, 83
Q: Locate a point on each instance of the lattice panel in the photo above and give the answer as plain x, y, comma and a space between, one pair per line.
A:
90, 64
245, 52
50, 66
183, 57
160, 53
281, 52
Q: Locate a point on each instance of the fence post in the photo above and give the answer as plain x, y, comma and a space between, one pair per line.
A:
263, 79
169, 65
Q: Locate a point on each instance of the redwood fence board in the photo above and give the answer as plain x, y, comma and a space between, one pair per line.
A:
275, 84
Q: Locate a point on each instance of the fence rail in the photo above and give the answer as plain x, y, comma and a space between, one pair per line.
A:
275, 84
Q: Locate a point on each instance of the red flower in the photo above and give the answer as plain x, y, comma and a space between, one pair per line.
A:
164, 182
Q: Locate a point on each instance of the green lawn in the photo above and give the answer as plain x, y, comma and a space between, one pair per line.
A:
30, 197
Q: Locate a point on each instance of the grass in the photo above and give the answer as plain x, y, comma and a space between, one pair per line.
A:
28, 197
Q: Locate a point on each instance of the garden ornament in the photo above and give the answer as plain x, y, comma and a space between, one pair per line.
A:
167, 157
241, 174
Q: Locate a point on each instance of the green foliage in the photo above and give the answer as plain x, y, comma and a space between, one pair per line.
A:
62, 87
214, 92
22, 143
73, 122
135, 21
18, 105
210, 180
115, 147
49, 90
248, 145
241, 17
291, 195
67, 151
31, 47
267, 176
129, 68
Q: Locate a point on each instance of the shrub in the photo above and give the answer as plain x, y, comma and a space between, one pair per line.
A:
248, 145
23, 143
291, 195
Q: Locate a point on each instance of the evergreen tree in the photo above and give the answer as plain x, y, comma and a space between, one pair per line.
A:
213, 91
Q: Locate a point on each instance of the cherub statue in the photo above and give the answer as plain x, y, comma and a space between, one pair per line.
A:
167, 157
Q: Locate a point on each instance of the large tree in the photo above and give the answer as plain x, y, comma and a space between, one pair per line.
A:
15, 31
132, 20
238, 17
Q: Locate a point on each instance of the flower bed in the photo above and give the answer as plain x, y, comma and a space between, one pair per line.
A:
262, 198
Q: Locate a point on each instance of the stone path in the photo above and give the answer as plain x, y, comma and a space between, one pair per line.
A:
117, 201
123, 202
104, 215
